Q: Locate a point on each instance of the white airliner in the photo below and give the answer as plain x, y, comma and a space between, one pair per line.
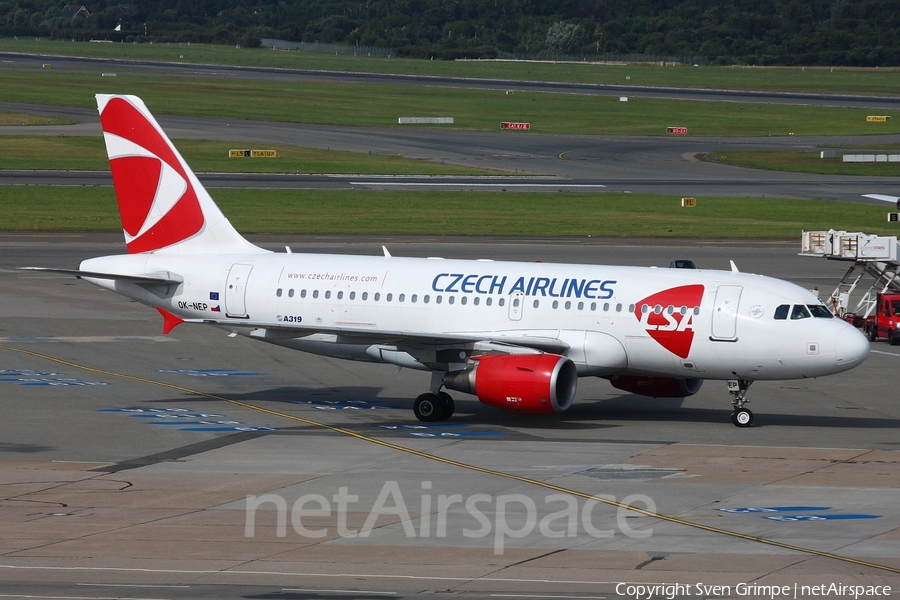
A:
516, 335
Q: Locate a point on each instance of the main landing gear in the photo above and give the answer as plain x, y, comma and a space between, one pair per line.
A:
741, 417
431, 407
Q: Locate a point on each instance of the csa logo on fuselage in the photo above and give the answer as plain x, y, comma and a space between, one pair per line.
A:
668, 316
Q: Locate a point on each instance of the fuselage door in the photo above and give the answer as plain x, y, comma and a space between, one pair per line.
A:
725, 311
516, 304
236, 291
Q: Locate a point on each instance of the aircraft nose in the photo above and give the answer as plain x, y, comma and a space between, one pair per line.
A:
851, 347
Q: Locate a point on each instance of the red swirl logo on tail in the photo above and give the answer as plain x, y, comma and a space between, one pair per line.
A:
668, 316
157, 202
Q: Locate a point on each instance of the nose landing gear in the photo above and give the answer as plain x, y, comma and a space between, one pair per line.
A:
741, 417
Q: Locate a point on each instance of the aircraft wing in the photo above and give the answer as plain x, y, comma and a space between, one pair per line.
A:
884, 198
361, 334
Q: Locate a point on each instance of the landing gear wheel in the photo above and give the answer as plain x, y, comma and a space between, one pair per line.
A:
742, 417
448, 405
428, 408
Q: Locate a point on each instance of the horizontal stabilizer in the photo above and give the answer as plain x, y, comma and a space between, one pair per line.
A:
164, 278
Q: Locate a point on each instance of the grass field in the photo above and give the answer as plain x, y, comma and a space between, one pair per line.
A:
381, 105
13, 118
88, 154
805, 162
38, 208
823, 79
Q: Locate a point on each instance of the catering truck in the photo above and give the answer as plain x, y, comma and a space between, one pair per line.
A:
885, 322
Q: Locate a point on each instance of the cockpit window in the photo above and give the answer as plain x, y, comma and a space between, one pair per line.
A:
799, 312
820, 311
781, 312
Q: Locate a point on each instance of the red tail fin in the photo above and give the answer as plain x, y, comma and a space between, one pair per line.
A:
161, 201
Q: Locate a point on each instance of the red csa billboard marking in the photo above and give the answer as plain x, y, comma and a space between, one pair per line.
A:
674, 330
677, 130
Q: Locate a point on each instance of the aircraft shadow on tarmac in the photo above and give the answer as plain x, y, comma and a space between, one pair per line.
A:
585, 414
6, 447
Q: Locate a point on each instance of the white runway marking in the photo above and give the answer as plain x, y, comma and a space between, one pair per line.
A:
79, 339
484, 185
884, 353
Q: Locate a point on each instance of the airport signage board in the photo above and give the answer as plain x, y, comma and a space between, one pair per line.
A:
511, 125
247, 153
878, 118
676, 130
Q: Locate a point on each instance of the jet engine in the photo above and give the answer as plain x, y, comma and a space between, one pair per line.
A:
528, 383
657, 387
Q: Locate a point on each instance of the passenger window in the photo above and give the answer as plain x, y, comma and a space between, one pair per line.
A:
376, 297
353, 295
340, 296
501, 302
820, 311
401, 297
581, 306
414, 298
315, 293
451, 299
594, 306
303, 293
438, 299
278, 292
605, 307
389, 297
426, 299
290, 293
463, 299
476, 301
799, 312
327, 294
365, 295
568, 305
537, 303
516, 302
556, 304
489, 301
781, 312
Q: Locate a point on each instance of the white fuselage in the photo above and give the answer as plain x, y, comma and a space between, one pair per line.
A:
609, 320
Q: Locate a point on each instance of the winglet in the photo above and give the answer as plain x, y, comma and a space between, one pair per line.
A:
170, 321
734, 268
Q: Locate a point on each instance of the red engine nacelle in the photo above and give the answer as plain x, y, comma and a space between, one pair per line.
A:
529, 383
657, 387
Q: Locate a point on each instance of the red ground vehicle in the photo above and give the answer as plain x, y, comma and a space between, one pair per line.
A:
885, 323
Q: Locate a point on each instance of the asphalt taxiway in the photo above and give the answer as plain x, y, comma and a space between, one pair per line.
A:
571, 162
194, 465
